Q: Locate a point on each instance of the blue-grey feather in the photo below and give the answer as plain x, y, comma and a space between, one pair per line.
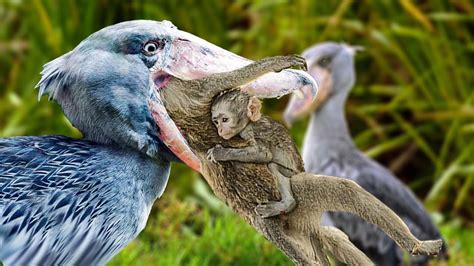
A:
102, 197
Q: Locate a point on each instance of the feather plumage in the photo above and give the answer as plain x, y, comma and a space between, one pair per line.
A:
66, 201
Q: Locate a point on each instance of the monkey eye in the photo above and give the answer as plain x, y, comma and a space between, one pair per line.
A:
225, 119
214, 122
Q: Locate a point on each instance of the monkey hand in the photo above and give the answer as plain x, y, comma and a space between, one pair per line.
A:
212, 152
284, 62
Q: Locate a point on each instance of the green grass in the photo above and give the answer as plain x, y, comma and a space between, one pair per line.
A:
460, 243
187, 233
412, 108
184, 233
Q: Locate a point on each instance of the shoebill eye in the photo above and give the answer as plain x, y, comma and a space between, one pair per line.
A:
151, 48
324, 62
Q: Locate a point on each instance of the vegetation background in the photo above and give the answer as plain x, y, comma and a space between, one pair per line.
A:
412, 108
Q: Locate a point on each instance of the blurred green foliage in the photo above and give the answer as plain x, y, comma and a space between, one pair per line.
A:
185, 233
412, 107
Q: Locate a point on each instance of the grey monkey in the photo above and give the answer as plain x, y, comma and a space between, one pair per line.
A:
245, 185
235, 113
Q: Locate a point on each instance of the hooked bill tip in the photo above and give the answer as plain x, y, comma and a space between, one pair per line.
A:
299, 94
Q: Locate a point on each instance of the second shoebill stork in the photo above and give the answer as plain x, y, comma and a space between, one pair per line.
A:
328, 149
67, 201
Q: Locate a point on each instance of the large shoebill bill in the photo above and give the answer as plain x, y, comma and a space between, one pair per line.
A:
67, 201
328, 149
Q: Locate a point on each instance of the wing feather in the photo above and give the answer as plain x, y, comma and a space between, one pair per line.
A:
54, 192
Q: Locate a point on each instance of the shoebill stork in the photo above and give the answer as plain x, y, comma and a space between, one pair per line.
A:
80, 201
328, 149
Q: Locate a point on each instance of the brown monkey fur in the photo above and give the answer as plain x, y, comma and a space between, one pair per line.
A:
235, 113
243, 186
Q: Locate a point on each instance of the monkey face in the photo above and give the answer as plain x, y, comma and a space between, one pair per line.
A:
227, 121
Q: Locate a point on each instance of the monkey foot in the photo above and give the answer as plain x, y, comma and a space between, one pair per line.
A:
274, 208
429, 247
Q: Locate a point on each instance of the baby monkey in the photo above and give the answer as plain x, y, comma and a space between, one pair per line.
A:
236, 113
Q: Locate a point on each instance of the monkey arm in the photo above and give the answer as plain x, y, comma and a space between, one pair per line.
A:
250, 154
216, 83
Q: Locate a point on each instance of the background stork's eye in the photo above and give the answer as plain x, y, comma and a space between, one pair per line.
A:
324, 62
151, 48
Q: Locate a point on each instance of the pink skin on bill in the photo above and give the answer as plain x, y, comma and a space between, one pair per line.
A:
192, 58
171, 135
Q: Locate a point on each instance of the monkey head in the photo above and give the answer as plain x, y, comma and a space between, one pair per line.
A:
232, 111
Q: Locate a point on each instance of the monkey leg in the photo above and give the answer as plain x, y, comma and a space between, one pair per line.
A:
327, 193
216, 83
338, 244
318, 249
273, 230
287, 202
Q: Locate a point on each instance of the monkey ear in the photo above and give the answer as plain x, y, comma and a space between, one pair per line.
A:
253, 109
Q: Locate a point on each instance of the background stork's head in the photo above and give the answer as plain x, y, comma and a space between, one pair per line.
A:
332, 66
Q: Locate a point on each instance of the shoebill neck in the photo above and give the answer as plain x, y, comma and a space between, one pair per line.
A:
328, 128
